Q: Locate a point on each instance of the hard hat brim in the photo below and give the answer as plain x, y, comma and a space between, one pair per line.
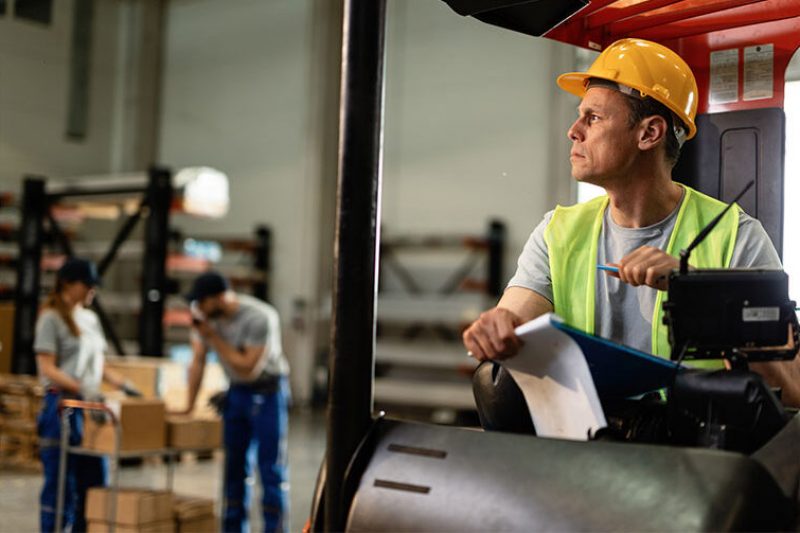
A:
575, 83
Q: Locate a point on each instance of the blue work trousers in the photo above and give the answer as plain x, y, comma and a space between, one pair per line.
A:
256, 426
82, 471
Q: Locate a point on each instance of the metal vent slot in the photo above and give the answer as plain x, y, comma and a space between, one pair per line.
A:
396, 485
413, 450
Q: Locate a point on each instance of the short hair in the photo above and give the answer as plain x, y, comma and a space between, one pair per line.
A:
642, 108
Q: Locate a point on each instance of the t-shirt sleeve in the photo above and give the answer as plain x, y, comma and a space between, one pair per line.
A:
533, 265
754, 248
46, 337
256, 333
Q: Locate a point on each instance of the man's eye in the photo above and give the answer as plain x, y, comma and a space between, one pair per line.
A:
594, 118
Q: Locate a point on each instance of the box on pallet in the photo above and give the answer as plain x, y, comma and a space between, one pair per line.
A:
135, 508
143, 372
142, 423
20, 403
194, 515
188, 433
165, 526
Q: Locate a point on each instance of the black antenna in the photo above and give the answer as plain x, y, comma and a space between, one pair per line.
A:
705, 231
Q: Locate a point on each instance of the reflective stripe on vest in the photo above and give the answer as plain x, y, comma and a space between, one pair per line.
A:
572, 238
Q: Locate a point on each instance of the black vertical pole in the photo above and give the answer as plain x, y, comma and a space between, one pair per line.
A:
351, 363
262, 261
34, 207
497, 239
154, 262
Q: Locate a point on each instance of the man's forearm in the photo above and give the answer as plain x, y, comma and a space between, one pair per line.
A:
196, 371
240, 362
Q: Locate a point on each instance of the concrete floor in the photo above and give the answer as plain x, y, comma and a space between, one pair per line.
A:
19, 491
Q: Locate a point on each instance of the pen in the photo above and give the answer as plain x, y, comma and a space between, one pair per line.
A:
608, 268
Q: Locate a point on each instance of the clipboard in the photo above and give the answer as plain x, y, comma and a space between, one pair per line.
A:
619, 371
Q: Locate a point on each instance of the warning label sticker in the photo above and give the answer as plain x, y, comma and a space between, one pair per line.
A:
758, 63
724, 77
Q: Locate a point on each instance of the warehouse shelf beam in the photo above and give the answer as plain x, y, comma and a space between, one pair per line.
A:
37, 199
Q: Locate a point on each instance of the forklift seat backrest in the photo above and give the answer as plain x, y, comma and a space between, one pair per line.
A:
501, 405
731, 149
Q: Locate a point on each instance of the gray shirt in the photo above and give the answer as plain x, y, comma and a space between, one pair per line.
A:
255, 323
79, 357
623, 312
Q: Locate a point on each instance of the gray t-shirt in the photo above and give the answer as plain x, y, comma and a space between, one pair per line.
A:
79, 357
256, 323
623, 312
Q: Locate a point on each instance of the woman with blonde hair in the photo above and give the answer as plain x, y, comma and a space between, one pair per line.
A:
70, 349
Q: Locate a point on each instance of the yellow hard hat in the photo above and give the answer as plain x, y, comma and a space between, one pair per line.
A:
650, 68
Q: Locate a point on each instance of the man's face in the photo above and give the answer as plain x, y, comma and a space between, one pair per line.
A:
212, 306
603, 143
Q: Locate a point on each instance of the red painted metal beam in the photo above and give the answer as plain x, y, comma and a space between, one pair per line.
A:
615, 12
634, 25
735, 18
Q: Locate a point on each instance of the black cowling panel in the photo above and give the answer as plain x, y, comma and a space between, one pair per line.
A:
531, 17
435, 478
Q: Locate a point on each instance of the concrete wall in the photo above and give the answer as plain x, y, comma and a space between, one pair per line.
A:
475, 126
34, 75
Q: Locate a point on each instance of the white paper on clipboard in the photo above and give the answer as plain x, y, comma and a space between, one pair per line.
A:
556, 382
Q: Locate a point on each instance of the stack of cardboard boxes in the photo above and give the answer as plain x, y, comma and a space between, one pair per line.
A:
20, 403
149, 511
145, 427
137, 510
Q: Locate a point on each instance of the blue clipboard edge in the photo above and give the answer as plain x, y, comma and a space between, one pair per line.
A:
559, 323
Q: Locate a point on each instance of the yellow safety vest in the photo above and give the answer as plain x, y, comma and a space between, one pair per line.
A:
572, 238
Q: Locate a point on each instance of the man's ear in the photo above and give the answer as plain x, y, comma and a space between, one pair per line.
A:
652, 132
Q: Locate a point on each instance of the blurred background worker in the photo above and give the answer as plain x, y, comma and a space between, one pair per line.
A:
245, 333
70, 348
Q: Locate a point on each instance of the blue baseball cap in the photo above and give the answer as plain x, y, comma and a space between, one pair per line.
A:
77, 269
208, 284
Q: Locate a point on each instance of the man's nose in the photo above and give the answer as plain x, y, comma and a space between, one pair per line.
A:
574, 132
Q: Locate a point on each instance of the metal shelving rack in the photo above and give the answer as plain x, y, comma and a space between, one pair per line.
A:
35, 207
430, 288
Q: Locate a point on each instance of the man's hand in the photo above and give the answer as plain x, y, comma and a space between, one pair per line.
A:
203, 328
646, 266
492, 335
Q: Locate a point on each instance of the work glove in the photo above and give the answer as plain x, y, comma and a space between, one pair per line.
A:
217, 401
97, 416
130, 390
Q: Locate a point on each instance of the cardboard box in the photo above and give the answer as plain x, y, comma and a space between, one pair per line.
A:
6, 335
202, 524
190, 507
143, 372
143, 427
166, 526
135, 507
188, 433
195, 515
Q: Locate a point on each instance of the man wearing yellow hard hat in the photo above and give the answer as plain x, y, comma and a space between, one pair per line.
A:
638, 106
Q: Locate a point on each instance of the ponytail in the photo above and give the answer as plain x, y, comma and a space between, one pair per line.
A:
56, 302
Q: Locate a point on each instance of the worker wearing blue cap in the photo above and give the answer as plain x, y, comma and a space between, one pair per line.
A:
245, 333
70, 347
